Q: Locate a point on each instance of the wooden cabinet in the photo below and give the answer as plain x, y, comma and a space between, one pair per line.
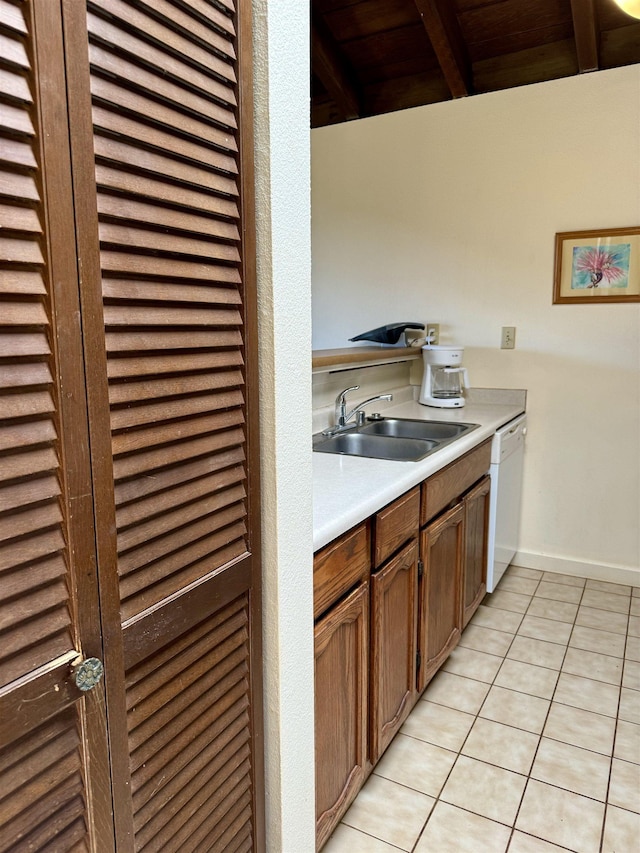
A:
341, 707
341, 609
394, 613
379, 641
476, 536
440, 620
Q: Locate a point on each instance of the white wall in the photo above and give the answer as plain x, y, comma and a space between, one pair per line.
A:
448, 213
284, 293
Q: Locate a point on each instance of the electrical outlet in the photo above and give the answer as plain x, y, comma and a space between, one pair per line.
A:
411, 335
433, 330
508, 340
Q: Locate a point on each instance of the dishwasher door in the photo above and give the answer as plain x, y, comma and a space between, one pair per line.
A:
507, 456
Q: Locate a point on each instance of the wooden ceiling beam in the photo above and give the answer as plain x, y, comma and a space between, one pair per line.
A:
333, 70
443, 29
585, 29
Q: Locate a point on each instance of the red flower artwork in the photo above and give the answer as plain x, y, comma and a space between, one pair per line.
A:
601, 264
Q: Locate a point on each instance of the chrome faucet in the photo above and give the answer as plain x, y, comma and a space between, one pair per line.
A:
342, 418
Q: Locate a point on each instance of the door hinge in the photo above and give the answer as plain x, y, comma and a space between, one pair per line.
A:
420, 568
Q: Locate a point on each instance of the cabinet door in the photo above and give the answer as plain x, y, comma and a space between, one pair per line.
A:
341, 682
54, 773
159, 107
476, 508
442, 550
128, 456
394, 615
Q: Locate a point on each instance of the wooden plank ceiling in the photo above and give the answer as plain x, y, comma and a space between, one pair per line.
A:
377, 56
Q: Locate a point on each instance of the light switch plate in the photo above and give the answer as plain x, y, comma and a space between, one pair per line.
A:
508, 340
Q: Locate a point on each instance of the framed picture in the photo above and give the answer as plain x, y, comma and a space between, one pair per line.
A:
597, 266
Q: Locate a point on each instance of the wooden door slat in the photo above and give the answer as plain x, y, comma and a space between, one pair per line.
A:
39, 545
29, 520
22, 313
165, 291
11, 17
28, 343
122, 263
25, 464
162, 528
123, 315
207, 756
195, 439
17, 153
30, 491
129, 492
16, 436
154, 365
228, 699
33, 576
22, 281
109, 94
19, 186
20, 218
168, 543
164, 192
15, 86
160, 60
13, 52
17, 251
205, 175
159, 341
204, 642
29, 373
142, 589
119, 208
223, 672
173, 40
16, 120
156, 413
27, 404
193, 27
162, 89
139, 131
175, 386
123, 236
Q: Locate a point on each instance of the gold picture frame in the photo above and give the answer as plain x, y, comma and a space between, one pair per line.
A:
597, 266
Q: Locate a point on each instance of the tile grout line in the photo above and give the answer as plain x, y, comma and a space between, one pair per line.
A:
615, 729
492, 683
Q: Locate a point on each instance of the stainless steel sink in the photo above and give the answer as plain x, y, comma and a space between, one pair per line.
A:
403, 428
357, 443
399, 439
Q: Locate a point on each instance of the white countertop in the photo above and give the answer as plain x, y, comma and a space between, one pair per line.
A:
349, 489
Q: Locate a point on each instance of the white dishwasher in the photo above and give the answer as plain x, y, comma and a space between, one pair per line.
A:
507, 456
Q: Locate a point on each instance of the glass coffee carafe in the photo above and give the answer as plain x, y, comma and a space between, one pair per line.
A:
447, 382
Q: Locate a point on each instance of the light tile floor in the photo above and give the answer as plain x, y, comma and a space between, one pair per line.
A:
527, 740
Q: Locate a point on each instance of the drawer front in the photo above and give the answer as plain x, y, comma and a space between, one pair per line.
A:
447, 485
396, 524
339, 566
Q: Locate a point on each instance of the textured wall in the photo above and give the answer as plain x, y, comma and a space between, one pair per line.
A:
448, 213
282, 167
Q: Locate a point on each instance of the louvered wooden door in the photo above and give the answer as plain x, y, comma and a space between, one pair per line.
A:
53, 752
158, 125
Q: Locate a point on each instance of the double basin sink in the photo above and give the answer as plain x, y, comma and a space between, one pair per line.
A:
399, 439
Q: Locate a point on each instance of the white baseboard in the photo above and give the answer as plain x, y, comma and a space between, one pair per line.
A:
577, 568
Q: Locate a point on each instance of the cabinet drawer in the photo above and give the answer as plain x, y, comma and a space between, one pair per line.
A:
339, 566
395, 524
447, 485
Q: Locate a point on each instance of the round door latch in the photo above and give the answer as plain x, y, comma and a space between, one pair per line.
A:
89, 673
